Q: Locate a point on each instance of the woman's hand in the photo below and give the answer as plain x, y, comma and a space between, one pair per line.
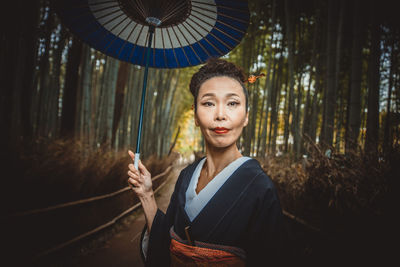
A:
139, 180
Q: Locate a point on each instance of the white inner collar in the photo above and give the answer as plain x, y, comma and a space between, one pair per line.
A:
196, 202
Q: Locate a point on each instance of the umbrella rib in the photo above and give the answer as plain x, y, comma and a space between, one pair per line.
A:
229, 26
169, 10
145, 48
173, 49
221, 6
140, 9
173, 11
217, 19
189, 44
205, 50
85, 13
108, 14
208, 40
213, 26
117, 36
240, 20
112, 19
126, 40
110, 31
119, 23
228, 46
134, 47
162, 6
103, 8
93, 26
162, 38
182, 47
205, 9
154, 47
99, 3
83, 5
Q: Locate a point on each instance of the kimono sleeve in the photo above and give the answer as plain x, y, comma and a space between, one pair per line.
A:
267, 234
159, 238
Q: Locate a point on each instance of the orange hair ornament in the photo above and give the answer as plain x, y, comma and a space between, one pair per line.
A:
253, 78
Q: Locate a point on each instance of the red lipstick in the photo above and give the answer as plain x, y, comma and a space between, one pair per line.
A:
220, 130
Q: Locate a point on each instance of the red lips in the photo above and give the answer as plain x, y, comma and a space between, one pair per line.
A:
220, 130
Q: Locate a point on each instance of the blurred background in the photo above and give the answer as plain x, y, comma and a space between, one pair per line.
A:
324, 123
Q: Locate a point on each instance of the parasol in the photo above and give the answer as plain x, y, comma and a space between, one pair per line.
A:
157, 33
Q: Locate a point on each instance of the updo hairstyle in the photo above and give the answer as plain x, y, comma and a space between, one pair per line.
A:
216, 67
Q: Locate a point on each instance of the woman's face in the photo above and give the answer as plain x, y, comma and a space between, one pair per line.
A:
221, 111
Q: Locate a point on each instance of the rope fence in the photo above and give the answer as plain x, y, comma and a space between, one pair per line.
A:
82, 201
103, 226
301, 221
118, 217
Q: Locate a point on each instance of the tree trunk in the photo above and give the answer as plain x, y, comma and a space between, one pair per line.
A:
122, 78
70, 89
52, 116
290, 37
354, 105
338, 88
18, 57
330, 98
277, 98
372, 134
44, 68
85, 120
387, 143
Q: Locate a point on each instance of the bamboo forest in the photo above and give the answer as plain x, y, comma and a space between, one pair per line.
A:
324, 124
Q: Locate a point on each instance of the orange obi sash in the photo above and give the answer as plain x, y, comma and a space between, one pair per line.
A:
203, 254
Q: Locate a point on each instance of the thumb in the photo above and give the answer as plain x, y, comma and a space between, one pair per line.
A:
131, 155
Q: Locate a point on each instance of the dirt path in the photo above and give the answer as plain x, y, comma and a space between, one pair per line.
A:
123, 248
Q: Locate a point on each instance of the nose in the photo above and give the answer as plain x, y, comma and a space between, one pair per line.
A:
220, 113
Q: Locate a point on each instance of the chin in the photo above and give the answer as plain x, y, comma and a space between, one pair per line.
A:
222, 145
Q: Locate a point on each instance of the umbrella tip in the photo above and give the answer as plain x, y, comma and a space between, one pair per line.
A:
153, 21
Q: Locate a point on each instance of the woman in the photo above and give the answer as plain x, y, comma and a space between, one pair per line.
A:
224, 210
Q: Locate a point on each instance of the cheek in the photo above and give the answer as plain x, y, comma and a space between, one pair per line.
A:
240, 119
202, 117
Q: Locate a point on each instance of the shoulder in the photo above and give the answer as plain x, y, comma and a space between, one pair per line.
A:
262, 184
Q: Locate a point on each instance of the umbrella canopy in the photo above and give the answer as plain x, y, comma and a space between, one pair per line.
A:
157, 33
186, 33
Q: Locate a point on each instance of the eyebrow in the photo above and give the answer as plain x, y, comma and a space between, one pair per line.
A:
212, 94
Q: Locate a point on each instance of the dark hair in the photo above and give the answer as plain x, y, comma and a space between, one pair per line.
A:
216, 67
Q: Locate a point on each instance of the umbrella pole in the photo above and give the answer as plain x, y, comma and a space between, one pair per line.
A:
146, 70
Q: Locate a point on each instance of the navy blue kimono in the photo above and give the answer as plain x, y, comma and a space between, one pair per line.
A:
245, 212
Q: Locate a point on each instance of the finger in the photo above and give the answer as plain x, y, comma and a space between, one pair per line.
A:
133, 175
133, 182
143, 169
132, 168
131, 155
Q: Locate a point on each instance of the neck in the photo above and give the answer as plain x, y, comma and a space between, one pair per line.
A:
219, 158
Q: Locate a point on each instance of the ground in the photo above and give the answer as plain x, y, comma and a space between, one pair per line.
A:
123, 248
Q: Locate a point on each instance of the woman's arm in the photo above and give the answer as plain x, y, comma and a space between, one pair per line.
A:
140, 182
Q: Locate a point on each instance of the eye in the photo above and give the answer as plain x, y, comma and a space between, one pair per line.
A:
208, 104
233, 103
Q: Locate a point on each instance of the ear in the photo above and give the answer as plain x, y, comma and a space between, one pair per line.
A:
196, 121
246, 120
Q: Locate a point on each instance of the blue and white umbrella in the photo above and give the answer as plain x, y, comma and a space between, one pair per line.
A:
179, 33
